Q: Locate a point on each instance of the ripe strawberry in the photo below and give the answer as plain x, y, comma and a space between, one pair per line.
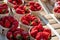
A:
7, 24
40, 27
37, 4
25, 22
33, 33
33, 23
19, 11
10, 18
13, 28
38, 8
9, 35
42, 36
46, 35
10, 1
25, 35
15, 6
58, 11
39, 35
32, 8
33, 18
34, 28
17, 35
47, 30
15, 22
14, 2
31, 3
19, 29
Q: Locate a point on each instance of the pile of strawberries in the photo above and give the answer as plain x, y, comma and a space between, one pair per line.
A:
8, 22
15, 2
3, 8
57, 9
18, 34
40, 33
21, 9
30, 20
34, 6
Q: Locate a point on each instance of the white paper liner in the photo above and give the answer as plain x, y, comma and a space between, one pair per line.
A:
3, 30
57, 15
31, 38
36, 13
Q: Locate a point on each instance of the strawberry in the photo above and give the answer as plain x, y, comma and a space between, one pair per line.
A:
10, 18
15, 22
14, 2
58, 11
31, 3
10, 1
19, 29
25, 35
40, 27
34, 28
25, 22
19, 11
32, 8
47, 30
39, 35
7, 24
37, 4
15, 6
55, 9
33, 18
9, 35
13, 28
17, 35
39, 8
42, 36
33, 23
46, 35
33, 33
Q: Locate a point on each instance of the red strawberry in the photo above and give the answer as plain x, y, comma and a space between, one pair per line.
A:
42, 36
14, 2
25, 35
33, 18
32, 8
33, 33
58, 11
13, 28
17, 35
10, 1
19, 29
7, 24
9, 35
25, 22
37, 4
10, 18
31, 3
15, 22
40, 27
34, 28
46, 35
38, 8
19, 11
39, 35
47, 30
55, 9
33, 23
15, 6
